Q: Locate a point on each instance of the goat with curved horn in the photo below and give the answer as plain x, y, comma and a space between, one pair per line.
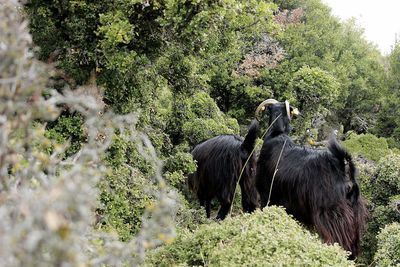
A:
317, 186
289, 109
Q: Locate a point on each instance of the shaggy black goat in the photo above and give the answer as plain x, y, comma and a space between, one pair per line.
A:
317, 186
219, 163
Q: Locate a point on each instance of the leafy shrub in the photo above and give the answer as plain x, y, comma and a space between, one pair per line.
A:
47, 201
383, 192
312, 90
365, 179
124, 195
198, 118
67, 128
178, 165
367, 145
387, 182
388, 253
203, 106
314, 87
140, 49
189, 215
378, 218
264, 238
128, 189
180, 161
177, 179
201, 129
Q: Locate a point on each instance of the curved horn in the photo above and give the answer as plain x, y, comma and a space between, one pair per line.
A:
294, 112
265, 103
288, 109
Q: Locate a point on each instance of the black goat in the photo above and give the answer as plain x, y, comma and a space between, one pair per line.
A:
317, 186
219, 163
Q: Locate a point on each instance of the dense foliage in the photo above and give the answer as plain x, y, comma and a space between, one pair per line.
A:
48, 193
381, 186
388, 120
388, 253
314, 38
367, 145
264, 238
188, 70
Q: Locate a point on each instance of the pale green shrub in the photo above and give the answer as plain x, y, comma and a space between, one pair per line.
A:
47, 198
263, 238
388, 253
367, 145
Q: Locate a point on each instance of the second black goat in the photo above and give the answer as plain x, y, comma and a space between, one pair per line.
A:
219, 163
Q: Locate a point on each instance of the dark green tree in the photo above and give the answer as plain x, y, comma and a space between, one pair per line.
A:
314, 38
388, 121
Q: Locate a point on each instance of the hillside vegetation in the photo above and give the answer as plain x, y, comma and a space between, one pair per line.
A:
101, 103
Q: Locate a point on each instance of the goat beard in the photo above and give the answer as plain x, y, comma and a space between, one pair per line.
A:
343, 224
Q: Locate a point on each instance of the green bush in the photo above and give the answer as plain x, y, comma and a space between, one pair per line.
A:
48, 203
201, 129
67, 128
198, 118
124, 195
383, 194
387, 182
126, 190
379, 216
365, 179
264, 238
189, 215
203, 106
388, 253
367, 145
180, 161
177, 179
313, 88
138, 49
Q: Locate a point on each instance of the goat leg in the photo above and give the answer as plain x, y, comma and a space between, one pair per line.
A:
224, 209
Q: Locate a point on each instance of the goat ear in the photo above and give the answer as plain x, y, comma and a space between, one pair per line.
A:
294, 111
290, 110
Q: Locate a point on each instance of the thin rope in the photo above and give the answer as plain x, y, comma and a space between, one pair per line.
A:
248, 158
276, 170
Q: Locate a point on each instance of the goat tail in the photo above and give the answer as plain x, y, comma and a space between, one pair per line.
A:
343, 156
250, 139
